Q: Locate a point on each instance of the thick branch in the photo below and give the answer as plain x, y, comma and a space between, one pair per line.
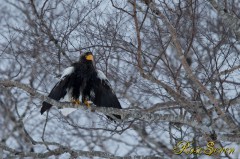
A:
125, 113
178, 97
58, 151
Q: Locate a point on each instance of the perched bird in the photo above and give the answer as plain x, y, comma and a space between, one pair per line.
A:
82, 82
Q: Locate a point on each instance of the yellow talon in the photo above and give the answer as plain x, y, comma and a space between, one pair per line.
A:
75, 101
87, 103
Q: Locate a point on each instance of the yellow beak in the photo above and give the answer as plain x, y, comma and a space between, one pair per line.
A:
89, 57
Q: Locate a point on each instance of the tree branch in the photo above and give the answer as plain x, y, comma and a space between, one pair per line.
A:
191, 76
230, 20
58, 151
125, 113
47, 30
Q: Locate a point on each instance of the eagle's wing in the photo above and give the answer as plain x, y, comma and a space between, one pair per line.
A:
102, 94
60, 89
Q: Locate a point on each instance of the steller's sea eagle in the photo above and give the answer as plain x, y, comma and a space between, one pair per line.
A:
82, 80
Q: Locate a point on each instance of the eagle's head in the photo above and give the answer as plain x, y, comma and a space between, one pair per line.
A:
87, 58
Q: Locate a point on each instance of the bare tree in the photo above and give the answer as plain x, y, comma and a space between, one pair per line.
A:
173, 65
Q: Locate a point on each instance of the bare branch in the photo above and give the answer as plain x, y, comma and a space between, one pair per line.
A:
125, 113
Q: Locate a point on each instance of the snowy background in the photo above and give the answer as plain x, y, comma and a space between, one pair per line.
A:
175, 58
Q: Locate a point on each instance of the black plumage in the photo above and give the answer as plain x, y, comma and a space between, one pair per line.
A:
99, 91
82, 79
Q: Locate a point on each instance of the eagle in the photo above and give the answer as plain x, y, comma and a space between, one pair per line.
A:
82, 82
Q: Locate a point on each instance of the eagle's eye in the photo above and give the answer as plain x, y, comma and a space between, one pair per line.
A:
89, 57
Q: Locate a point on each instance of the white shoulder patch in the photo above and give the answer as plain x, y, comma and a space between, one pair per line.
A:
101, 75
67, 71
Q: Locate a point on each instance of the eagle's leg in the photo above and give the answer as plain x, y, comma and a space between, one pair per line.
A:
87, 103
